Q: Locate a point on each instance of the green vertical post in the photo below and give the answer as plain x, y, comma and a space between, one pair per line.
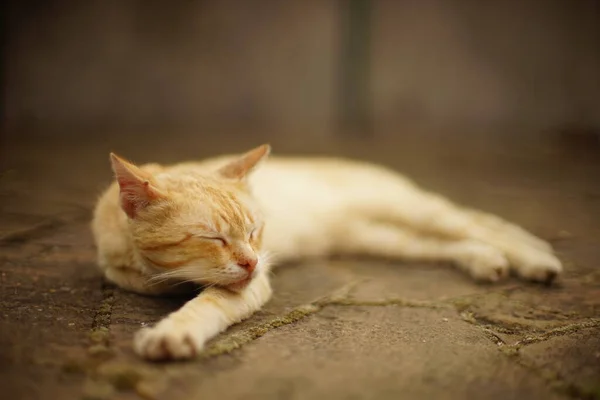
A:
355, 113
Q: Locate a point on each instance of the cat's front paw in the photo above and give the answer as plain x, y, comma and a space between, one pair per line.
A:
168, 341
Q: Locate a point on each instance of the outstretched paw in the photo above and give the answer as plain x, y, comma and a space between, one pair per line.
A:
168, 341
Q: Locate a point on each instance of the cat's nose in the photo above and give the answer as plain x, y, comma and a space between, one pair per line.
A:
249, 264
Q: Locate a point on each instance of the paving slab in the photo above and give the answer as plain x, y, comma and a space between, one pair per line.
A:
367, 353
413, 280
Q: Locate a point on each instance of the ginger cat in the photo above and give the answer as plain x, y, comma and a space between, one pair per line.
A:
215, 222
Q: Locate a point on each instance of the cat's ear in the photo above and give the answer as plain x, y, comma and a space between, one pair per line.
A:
137, 187
243, 165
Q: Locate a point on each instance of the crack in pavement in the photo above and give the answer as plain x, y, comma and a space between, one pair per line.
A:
560, 331
551, 377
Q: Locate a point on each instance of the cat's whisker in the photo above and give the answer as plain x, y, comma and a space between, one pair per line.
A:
178, 283
188, 274
209, 286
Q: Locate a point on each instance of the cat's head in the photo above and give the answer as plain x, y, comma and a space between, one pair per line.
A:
200, 226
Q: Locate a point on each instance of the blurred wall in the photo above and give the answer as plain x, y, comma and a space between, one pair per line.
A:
275, 65
152, 62
531, 62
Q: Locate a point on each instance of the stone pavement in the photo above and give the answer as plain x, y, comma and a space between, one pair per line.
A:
339, 329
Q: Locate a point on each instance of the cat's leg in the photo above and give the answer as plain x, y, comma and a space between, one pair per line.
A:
431, 212
498, 224
481, 261
183, 333
403, 200
437, 216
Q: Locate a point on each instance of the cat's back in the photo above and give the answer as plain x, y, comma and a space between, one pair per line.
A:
313, 200
294, 180
296, 169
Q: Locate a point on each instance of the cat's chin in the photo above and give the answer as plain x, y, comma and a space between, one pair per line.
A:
240, 285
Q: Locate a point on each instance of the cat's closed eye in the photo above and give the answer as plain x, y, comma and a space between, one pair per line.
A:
218, 239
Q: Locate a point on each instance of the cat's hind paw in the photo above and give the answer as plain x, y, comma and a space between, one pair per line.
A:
539, 267
168, 341
485, 263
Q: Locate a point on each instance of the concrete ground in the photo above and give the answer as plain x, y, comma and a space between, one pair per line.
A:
337, 329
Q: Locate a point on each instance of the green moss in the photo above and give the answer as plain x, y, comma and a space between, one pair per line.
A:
493, 337
461, 304
384, 302
104, 311
560, 331
106, 306
468, 317
99, 335
510, 351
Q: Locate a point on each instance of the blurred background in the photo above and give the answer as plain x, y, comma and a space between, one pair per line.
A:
316, 68
465, 96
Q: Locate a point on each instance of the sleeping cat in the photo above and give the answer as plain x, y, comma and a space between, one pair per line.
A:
215, 223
